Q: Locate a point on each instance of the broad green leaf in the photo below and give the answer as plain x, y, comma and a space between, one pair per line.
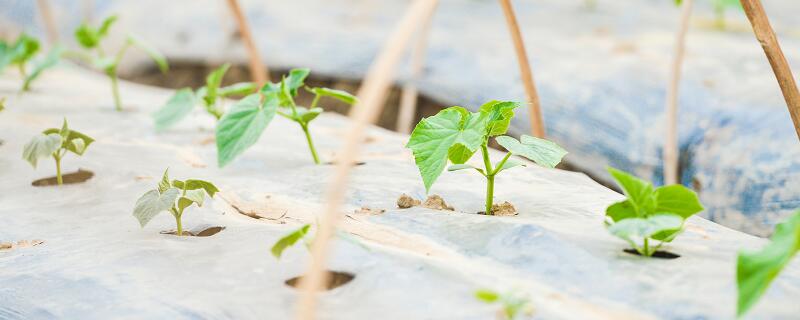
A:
152, 203
306, 115
41, 146
177, 107
633, 230
487, 295
500, 114
242, 126
340, 95
543, 152
621, 210
77, 142
151, 51
237, 89
185, 202
459, 153
208, 187
433, 137
164, 184
289, 240
48, 62
756, 270
24, 48
86, 36
639, 191
510, 163
677, 199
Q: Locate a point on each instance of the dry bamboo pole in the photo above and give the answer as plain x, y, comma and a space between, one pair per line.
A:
535, 111
258, 71
410, 94
671, 141
49, 21
769, 42
372, 95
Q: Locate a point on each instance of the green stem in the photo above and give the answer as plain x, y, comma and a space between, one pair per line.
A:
115, 90
310, 143
58, 171
315, 101
22, 70
501, 163
178, 222
647, 247
489, 179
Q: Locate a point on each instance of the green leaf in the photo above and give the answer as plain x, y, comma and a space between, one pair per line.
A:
633, 230
41, 146
106, 64
48, 62
340, 95
543, 152
77, 142
152, 203
289, 240
510, 163
24, 49
639, 191
177, 107
756, 270
487, 295
208, 187
213, 81
459, 153
305, 115
105, 26
164, 184
460, 166
677, 199
151, 51
2, 103
433, 137
242, 126
500, 114
296, 79
237, 89
621, 210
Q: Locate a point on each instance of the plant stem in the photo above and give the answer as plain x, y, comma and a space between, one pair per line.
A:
115, 90
58, 171
489, 179
22, 70
178, 222
647, 248
310, 143
315, 101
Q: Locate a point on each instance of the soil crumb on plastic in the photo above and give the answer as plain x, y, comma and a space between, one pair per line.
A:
335, 279
207, 232
20, 244
436, 202
69, 178
334, 162
368, 210
405, 201
658, 254
504, 209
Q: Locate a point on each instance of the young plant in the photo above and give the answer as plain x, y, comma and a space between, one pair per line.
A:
513, 304
242, 126
89, 38
56, 143
756, 270
21, 52
211, 96
649, 217
174, 197
455, 134
291, 239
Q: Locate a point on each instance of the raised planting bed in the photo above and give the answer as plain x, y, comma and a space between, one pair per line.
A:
92, 260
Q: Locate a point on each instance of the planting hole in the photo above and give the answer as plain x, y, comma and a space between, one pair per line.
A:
658, 254
69, 178
207, 232
357, 163
335, 279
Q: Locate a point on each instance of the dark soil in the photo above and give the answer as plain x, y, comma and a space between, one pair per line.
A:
335, 279
69, 178
207, 232
658, 254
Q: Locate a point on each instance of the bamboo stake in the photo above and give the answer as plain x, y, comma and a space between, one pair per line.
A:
671, 144
258, 71
49, 21
769, 42
537, 122
409, 95
372, 95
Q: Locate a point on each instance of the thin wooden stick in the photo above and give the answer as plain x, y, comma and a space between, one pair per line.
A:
671, 142
537, 122
258, 71
409, 95
372, 95
49, 21
769, 42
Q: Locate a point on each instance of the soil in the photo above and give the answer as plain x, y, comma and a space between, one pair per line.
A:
658, 254
436, 202
20, 244
335, 279
207, 232
504, 209
405, 201
368, 210
69, 178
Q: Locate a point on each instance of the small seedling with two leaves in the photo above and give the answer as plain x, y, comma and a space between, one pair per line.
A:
89, 38
513, 303
243, 125
173, 197
755, 270
649, 217
56, 143
456, 134
21, 52
303, 233
211, 96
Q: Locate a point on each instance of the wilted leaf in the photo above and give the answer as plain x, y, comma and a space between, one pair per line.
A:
289, 240
152, 203
77, 142
41, 146
177, 107
543, 152
241, 127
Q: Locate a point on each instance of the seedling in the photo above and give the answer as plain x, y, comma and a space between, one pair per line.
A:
21, 52
173, 197
90, 38
649, 214
56, 143
243, 125
302, 233
513, 303
211, 96
756, 270
455, 134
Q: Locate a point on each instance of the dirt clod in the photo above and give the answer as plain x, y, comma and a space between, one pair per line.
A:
504, 209
368, 210
20, 244
405, 201
436, 202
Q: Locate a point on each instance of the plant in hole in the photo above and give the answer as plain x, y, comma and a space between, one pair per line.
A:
211, 95
242, 126
21, 52
513, 303
56, 143
89, 38
755, 270
455, 134
649, 214
172, 196
302, 233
